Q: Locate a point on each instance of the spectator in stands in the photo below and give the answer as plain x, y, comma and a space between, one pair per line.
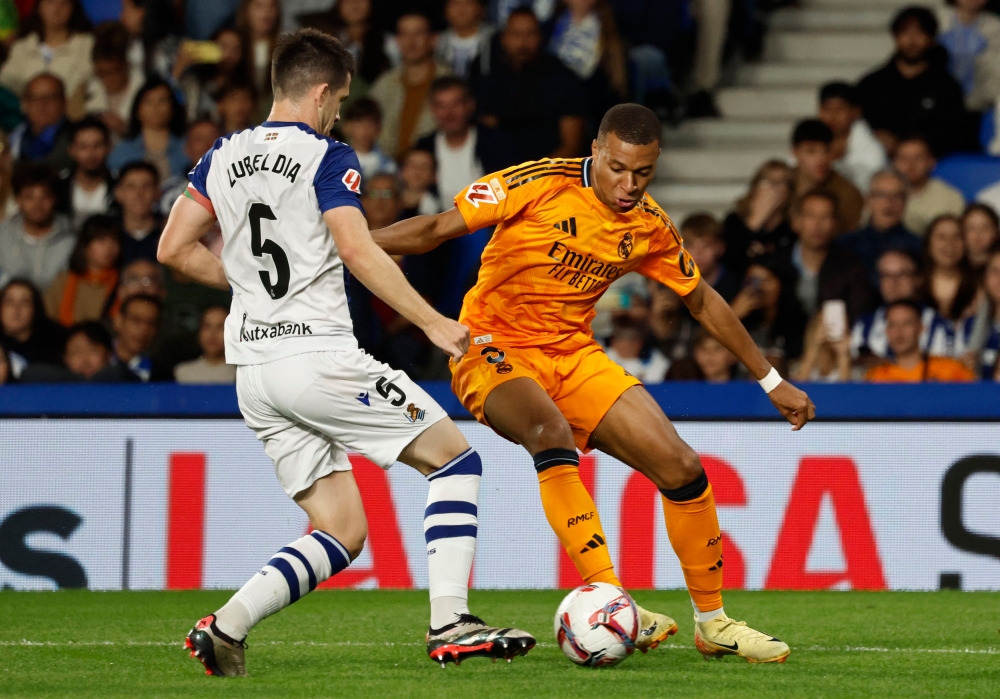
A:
530, 94
201, 82
770, 310
949, 282
82, 292
88, 354
759, 225
55, 39
913, 92
885, 229
8, 205
210, 367
402, 92
971, 34
990, 196
362, 124
928, 197
826, 358
45, 133
88, 187
200, 138
6, 375
671, 329
899, 280
825, 272
418, 195
981, 232
135, 329
625, 348
361, 33
112, 90
36, 243
25, 331
714, 363
811, 142
150, 24
467, 36
137, 194
910, 364
237, 108
156, 131
712, 17
702, 236
463, 152
856, 153
139, 278
586, 39
979, 335
259, 21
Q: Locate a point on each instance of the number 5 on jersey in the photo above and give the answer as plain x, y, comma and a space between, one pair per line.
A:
261, 247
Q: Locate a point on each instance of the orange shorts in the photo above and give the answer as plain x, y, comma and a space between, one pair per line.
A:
584, 383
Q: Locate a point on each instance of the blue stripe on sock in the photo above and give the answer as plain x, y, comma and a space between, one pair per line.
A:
290, 577
468, 464
305, 561
450, 531
448, 507
335, 551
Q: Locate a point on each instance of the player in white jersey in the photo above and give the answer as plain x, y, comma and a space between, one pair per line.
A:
287, 199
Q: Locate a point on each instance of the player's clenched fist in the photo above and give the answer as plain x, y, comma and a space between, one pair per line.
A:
793, 404
450, 335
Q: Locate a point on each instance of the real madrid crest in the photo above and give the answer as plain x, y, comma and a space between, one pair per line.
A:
625, 246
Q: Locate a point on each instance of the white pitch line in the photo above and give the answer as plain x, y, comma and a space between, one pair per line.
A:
25, 643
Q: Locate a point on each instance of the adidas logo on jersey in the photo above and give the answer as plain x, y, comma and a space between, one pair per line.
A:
567, 226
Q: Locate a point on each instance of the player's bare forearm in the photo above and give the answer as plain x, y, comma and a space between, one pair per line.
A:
382, 276
180, 247
421, 233
715, 315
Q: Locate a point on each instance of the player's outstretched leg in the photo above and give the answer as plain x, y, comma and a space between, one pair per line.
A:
637, 432
333, 504
453, 470
522, 410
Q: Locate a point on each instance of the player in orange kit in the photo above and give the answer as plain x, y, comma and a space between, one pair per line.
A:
566, 229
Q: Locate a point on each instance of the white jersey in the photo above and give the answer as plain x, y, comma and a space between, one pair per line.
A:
269, 187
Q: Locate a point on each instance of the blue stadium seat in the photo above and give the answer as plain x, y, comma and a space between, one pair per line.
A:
969, 172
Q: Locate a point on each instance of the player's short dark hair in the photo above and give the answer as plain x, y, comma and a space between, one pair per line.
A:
840, 91
799, 202
32, 174
135, 298
811, 131
88, 123
450, 82
914, 14
139, 166
906, 303
308, 57
363, 108
93, 331
632, 123
701, 225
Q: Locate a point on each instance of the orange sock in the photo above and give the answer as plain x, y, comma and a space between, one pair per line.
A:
693, 528
572, 515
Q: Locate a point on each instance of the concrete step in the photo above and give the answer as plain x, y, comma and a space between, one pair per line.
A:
831, 18
800, 74
707, 132
766, 103
868, 4
693, 196
724, 164
872, 47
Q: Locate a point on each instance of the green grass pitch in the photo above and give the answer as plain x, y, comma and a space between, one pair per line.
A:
370, 644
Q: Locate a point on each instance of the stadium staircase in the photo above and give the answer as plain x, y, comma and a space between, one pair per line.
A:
707, 163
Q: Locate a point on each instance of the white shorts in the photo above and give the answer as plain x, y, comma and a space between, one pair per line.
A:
311, 409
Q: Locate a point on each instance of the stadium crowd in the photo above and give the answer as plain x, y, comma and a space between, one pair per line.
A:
848, 261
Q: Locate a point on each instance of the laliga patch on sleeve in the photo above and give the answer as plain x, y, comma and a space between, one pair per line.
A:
480, 193
352, 180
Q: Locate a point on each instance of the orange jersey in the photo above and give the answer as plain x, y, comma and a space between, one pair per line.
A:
942, 369
555, 251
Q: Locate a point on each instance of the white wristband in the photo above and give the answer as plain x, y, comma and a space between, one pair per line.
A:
771, 381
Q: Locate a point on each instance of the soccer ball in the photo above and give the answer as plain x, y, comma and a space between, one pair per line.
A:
596, 625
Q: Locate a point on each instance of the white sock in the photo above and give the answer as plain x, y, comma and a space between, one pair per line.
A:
450, 526
292, 572
706, 616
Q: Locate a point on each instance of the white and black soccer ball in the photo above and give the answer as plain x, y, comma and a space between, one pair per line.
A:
596, 625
